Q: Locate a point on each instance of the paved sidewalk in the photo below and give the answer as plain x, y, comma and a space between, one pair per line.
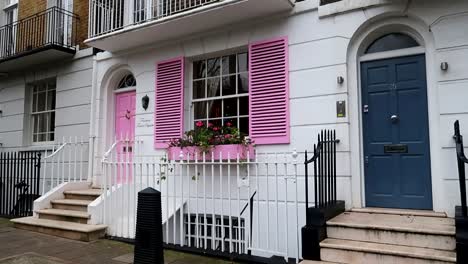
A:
24, 247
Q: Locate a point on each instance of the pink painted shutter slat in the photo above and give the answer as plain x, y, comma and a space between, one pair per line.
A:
169, 103
269, 91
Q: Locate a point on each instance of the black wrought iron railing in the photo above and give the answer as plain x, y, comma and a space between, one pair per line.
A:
19, 182
461, 161
324, 171
52, 27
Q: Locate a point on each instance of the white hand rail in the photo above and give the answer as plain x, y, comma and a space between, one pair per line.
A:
56, 151
108, 152
66, 163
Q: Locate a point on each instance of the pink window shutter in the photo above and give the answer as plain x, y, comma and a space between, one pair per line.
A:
169, 103
269, 91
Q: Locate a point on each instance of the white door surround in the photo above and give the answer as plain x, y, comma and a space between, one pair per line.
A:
360, 41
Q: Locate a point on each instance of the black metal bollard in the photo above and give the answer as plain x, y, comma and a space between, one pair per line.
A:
149, 234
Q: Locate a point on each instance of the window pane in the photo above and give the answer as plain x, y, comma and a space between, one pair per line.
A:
41, 87
42, 123
232, 121
215, 108
244, 125
213, 67
199, 89
214, 85
243, 62
51, 85
196, 121
51, 100
41, 102
215, 122
229, 85
230, 107
244, 105
199, 69
229, 64
200, 110
243, 83
35, 120
42, 137
50, 137
52, 122
392, 41
34, 106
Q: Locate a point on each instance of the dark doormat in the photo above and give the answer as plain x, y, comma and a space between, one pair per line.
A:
32, 258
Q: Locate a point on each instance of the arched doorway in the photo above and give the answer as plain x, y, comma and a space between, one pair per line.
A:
395, 123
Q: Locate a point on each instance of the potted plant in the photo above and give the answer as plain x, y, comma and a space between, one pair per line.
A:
211, 142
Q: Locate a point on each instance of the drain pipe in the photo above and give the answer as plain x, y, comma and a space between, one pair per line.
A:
92, 130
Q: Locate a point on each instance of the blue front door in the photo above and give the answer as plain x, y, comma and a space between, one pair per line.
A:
396, 133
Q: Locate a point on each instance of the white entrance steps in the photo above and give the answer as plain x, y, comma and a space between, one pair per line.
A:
67, 218
376, 235
406, 230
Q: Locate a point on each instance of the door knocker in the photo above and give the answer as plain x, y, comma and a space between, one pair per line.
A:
127, 115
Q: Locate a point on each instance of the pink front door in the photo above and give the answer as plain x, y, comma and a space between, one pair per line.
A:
125, 132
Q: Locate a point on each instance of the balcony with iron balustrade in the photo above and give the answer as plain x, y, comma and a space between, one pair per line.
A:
45, 37
122, 24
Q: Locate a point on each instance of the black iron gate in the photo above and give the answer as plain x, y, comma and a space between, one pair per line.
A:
19, 182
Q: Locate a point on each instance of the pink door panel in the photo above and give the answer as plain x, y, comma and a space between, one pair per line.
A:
125, 109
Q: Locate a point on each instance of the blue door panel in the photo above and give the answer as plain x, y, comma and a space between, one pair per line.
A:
401, 179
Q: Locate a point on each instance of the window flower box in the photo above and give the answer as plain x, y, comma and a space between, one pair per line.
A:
218, 152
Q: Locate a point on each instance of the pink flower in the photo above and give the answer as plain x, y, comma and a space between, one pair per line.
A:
199, 124
227, 136
228, 124
215, 128
210, 124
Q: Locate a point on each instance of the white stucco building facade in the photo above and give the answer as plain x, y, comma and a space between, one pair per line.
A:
324, 43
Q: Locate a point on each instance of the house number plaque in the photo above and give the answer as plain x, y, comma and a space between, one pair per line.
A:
396, 148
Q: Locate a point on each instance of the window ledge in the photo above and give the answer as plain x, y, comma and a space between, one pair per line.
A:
221, 152
348, 5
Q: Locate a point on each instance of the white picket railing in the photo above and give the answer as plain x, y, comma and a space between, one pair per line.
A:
65, 162
106, 16
231, 205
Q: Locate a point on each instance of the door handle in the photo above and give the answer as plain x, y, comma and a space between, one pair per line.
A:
394, 118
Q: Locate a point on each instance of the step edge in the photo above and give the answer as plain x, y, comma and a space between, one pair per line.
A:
76, 214
72, 202
402, 212
82, 193
389, 252
92, 228
391, 228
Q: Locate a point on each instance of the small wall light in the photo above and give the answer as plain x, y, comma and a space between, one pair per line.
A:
340, 80
145, 102
444, 66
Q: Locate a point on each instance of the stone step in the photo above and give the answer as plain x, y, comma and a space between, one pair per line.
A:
356, 252
406, 230
88, 194
71, 204
63, 229
64, 215
398, 211
316, 262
